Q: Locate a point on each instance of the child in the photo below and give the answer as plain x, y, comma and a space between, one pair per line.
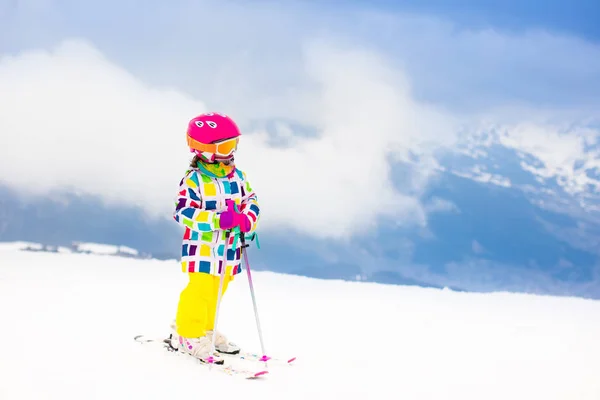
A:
205, 207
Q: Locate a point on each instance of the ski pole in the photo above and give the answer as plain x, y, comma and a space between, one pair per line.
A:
223, 269
262, 345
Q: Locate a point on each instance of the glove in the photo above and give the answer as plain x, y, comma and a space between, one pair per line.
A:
230, 219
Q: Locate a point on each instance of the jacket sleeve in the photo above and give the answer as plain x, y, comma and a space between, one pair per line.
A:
250, 205
189, 209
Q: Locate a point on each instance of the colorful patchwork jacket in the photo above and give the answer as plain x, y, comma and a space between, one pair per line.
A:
200, 201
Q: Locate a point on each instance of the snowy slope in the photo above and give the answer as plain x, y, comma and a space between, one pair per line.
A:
68, 321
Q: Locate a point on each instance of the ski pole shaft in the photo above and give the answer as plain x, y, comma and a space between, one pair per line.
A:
262, 345
222, 278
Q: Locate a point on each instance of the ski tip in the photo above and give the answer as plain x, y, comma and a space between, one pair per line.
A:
291, 360
258, 374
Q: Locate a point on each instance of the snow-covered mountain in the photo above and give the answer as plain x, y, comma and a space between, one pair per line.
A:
506, 210
70, 319
512, 208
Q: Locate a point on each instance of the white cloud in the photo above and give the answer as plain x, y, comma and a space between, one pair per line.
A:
73, 119
476, 247
437, 204
479, 174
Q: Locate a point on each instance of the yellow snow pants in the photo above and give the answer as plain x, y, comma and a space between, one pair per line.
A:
198, 303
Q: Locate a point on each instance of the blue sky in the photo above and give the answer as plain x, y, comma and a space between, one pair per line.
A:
579, 17
486, 48
463, 56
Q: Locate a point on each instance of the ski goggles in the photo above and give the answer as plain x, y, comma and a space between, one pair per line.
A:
222, 148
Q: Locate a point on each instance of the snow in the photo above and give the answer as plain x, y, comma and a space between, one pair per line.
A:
69, 320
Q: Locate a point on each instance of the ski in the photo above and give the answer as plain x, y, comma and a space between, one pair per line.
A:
229, 369
243, 355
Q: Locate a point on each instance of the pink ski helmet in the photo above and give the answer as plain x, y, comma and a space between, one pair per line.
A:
213, 136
